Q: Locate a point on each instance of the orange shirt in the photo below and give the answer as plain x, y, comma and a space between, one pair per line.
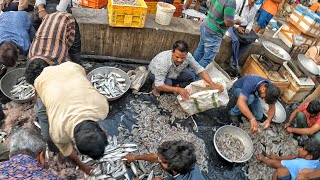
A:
270, 6
310, 120
315, 7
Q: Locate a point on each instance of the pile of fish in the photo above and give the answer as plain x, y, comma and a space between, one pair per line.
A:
109, 84
274, 140
275, 51
2, 136
230, 146
152, 128
22, 90
171, 104
111, 165
126, 2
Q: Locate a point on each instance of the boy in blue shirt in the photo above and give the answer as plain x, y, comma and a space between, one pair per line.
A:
288, 167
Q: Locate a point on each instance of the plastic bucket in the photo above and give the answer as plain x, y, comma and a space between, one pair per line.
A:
164, 13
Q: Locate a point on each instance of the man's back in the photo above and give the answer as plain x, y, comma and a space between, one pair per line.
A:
21, 167
15, 27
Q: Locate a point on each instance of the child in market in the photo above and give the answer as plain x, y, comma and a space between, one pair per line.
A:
288, 167
305, 120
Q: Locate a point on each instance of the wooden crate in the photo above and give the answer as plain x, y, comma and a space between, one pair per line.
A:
295, 93
251, 66
288, 30
306, 21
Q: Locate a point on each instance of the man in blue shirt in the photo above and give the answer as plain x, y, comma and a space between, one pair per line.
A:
176, 157
288, 167
245, 100
16, 34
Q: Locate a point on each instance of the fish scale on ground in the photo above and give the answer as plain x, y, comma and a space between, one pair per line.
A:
109, 84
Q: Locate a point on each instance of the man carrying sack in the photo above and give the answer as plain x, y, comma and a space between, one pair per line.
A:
242, 36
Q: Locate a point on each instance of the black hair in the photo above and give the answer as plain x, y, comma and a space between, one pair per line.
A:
8, 53
181, 46
314, 107
272, 93
312, 145
90, 139
34, 69
179, 155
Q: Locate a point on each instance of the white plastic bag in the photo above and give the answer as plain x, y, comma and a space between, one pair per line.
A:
202, 97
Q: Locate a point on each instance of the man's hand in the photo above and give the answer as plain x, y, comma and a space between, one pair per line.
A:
240, 30
272, 156
247, 31
260, 157
183, 92
5, 4
87, 169
219, 87
287, 125
253, 126
289, 130
42, 13
266, 124
130, 158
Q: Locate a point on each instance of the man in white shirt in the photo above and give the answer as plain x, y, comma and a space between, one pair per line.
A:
245, 12
170, 68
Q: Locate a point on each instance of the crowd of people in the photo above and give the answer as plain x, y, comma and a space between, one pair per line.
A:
69, 108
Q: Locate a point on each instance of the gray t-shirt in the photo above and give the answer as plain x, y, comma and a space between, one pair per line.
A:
162, 67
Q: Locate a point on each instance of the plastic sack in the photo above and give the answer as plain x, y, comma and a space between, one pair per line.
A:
137, 77
202, 97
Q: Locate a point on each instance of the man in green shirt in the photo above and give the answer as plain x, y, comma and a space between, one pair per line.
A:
220, 16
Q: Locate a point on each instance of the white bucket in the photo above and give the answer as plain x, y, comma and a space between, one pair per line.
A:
164, 13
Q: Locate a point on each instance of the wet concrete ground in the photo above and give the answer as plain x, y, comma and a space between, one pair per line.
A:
206, 121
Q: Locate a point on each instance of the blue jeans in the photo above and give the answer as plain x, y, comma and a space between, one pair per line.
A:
185, 76
253, 103
208, 47
238, 48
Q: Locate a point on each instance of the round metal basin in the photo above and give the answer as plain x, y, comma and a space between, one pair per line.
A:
242, 135
275, 53
10, 79
108, 69
280, 114
307, 65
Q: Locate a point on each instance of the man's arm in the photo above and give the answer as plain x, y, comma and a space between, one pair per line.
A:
269, 162
242, 104
307, 131
75, 159
308, 175
291, 118
205, 76
271, 112
275, 157
145, 157
166, 88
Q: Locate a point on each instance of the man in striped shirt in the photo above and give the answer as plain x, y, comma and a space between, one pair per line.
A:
220, 16
57, 40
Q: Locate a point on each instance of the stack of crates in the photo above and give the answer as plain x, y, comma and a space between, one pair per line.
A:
302, 22
93, 3
126, 15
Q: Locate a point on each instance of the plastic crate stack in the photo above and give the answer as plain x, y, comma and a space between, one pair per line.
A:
303, 23
93, 3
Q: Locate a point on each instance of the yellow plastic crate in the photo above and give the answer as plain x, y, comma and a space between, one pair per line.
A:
127, 16
152, 7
